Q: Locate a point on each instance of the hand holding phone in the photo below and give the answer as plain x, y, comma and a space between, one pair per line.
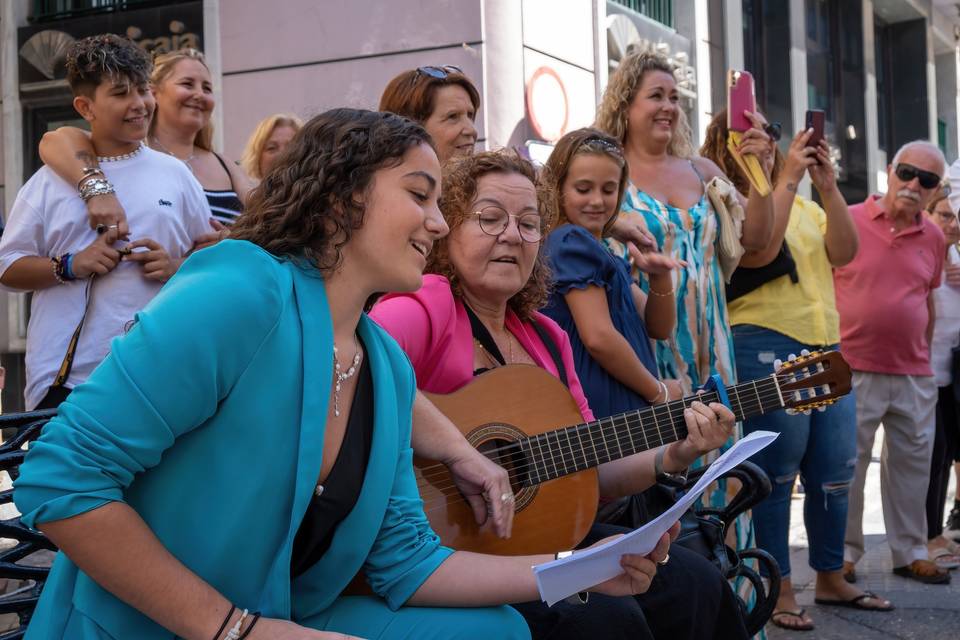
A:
815, 119
740, 97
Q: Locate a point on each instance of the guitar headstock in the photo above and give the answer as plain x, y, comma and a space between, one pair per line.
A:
813, 381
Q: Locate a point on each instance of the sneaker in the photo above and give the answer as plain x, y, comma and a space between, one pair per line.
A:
952, 529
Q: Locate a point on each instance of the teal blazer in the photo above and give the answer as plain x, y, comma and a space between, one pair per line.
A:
208, 419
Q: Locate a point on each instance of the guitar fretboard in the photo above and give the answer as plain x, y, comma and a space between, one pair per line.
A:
564, 451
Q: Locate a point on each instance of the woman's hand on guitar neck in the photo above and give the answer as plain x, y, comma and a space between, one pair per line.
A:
638, 571
708, 428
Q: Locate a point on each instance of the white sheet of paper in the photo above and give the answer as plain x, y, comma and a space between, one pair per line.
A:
560, 579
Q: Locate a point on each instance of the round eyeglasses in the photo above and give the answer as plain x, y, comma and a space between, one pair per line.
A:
494, 220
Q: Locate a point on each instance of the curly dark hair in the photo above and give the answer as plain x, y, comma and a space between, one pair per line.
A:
92, 60
306, 206
460, 178
585, 141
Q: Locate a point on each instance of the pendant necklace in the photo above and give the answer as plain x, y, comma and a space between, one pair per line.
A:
340, 376
187, 161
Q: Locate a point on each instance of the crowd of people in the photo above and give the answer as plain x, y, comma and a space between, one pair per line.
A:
191, 313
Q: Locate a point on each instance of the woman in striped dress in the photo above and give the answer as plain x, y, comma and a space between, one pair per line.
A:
666, 192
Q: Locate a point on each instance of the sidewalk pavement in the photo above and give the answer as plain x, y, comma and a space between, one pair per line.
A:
923, 612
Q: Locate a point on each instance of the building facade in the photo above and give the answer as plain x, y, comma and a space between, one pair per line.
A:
884, 71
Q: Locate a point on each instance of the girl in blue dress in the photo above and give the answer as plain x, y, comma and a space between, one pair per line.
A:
609, 319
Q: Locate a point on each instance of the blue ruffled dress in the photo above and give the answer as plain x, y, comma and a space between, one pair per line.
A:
577, 261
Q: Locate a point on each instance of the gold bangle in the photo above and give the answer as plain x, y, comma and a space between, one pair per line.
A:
662, 295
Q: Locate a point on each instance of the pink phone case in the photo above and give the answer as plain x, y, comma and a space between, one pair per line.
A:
740, 98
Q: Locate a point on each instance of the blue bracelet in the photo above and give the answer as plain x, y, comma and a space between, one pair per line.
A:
68, 268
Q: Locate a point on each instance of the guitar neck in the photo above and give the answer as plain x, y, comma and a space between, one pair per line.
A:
564, 451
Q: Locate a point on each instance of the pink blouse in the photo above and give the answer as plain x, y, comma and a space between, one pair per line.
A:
433, 328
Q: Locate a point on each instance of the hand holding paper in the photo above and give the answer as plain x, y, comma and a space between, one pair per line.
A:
580, 572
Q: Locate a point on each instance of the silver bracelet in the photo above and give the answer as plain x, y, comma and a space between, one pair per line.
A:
95, 187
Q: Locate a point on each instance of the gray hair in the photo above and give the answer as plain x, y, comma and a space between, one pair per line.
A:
925, 144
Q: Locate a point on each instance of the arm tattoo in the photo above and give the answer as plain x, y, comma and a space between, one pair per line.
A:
88, 159
791, 187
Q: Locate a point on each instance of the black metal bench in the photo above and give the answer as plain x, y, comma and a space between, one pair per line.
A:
16, 563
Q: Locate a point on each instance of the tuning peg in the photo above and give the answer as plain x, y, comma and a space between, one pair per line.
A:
792, 357
804, 352
777, 365
822, 407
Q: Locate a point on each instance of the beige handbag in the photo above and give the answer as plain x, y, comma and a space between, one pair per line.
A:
723, 198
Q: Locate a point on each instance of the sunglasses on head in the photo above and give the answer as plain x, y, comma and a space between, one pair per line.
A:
606, 144
437, 72
907, 172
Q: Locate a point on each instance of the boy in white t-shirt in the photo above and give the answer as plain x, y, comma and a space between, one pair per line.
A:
87, 283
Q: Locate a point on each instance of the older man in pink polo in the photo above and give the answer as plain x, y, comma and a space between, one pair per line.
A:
885, 301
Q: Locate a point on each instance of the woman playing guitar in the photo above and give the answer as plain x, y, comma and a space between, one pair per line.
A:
477, 312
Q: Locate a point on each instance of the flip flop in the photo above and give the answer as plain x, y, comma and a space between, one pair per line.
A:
855, 603
944, 558
804, 626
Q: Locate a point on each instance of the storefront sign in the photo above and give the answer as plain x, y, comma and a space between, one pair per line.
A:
43, 47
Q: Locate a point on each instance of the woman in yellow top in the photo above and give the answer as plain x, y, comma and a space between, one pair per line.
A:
781, 301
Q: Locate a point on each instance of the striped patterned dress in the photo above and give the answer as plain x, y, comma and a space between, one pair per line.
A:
702, 343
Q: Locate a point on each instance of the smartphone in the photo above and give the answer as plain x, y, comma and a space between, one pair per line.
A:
740, 97
815, 120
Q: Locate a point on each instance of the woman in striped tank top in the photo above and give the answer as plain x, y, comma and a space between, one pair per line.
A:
181, 127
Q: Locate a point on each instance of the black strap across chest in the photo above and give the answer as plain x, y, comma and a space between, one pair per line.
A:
482, 335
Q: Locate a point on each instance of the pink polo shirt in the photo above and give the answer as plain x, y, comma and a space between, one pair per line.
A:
433, 328
882, 294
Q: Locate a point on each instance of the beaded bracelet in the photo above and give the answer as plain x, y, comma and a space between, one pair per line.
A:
57, 270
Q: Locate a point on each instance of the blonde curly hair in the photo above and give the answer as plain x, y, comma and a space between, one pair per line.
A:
620, 92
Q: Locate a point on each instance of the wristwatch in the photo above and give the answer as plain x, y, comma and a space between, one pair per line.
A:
677, 480
579, 598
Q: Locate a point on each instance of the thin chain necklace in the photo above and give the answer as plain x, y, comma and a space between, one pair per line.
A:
510, 359
187, 161
341, 376
123, 156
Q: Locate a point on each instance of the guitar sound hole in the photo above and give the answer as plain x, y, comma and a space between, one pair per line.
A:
509, 456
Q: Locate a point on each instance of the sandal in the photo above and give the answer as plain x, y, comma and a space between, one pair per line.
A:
944, 558
858, 602
803, 625
924, 571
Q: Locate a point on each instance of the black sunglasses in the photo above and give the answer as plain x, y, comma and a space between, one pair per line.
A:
774, 130
907, 172
437, 72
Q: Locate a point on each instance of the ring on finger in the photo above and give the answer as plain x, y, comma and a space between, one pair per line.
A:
665, 560
506, 497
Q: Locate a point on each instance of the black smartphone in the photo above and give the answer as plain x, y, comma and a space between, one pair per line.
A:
815, 120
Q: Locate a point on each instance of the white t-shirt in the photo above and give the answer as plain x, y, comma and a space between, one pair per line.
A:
162, 200
946, 328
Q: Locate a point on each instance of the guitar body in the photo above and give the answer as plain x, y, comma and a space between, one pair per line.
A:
496, 408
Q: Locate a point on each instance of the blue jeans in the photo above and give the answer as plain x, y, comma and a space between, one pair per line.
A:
822, 447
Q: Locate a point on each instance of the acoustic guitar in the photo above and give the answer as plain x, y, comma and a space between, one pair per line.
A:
518, 415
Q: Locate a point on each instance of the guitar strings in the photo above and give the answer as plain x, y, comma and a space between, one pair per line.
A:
558, 454
631, 421
438, 472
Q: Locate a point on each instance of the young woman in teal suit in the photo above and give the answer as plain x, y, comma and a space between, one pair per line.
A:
245, 449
